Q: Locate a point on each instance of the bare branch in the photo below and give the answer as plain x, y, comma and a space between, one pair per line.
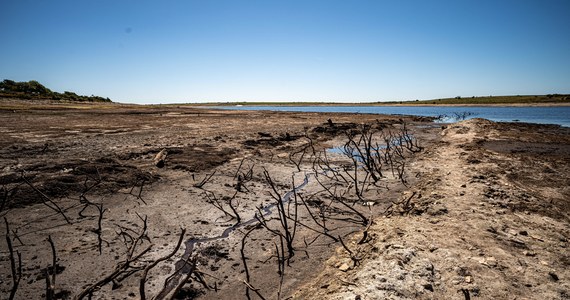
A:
156, 262
204, 180
16, 271
50, 282
47, 200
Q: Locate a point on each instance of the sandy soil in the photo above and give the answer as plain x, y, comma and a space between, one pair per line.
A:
483, 213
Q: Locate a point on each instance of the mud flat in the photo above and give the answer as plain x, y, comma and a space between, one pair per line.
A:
477, 208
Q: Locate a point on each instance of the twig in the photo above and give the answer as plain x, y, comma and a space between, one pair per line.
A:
16, 271
245, 267
46, 198
204, 180
250, 287
156, 262
50, 283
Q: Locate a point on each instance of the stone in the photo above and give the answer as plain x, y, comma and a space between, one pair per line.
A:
344, 267
489, 261
553, 276
529, 253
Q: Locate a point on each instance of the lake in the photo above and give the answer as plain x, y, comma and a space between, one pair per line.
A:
559, 115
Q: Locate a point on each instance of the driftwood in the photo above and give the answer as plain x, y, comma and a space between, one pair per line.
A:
160, 158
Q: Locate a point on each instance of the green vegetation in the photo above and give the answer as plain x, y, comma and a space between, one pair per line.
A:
33, 90
485, 100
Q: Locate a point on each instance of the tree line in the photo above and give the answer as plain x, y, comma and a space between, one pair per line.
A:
33, 90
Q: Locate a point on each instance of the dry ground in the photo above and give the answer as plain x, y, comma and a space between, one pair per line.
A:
487, 214
104, 155
489, 219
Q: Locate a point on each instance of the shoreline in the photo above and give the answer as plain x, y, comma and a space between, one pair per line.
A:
317, 104
27, 103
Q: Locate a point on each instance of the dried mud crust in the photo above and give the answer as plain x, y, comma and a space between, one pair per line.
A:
107, 155
487, 219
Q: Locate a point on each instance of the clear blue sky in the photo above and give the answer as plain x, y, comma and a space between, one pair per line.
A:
210, 50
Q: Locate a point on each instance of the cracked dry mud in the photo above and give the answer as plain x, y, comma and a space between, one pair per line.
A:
485, 210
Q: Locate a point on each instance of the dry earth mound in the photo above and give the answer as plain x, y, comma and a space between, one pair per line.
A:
487, 220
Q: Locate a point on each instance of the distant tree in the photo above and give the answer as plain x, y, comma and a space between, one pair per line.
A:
35, 90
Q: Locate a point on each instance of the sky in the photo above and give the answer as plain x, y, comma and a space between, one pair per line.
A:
321, 50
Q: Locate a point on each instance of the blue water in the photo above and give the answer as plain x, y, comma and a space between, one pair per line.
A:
542, 115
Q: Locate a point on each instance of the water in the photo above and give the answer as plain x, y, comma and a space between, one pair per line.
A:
559, 115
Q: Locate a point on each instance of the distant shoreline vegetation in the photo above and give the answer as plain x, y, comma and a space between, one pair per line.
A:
474, 100
33, 90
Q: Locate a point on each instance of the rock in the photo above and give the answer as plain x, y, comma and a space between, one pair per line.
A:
468, 279
512, 232
462, 271
437, 209
529, 253
344, 267
553, 276
489, 261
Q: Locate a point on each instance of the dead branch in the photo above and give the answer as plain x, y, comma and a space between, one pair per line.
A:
5, 194
298, 162
364, 238
325, 230
138, 195
99, 229
173, 284
342, 201
219, 204
47, 201
156, 262
50, 282
355, 260
287, 234
16, 271
244, 261
125, 268
250, 287
243, 177
204, 180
